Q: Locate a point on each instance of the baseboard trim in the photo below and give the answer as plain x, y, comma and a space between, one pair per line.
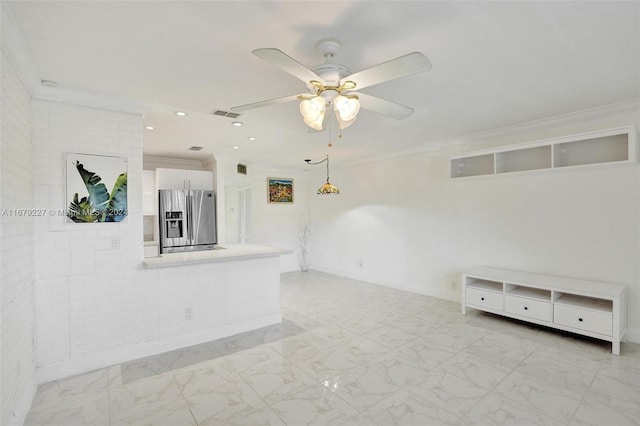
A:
90, 362
633, 335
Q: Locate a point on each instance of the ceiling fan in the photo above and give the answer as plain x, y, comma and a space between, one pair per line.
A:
333, 85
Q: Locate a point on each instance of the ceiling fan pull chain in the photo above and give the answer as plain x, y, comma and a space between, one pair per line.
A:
330, 144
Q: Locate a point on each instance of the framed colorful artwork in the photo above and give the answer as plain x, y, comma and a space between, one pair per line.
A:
280, 190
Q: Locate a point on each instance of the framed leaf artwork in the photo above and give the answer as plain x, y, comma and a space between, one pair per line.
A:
96, 188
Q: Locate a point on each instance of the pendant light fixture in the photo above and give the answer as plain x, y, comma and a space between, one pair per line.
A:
327, 188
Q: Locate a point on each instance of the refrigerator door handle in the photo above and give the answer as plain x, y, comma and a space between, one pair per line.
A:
189, 218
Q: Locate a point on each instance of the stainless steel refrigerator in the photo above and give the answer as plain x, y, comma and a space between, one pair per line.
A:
187, 220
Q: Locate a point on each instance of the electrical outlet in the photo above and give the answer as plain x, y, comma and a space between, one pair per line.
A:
360, 263
188, 313
115, 243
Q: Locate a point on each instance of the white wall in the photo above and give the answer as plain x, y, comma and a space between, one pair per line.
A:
416, 229
17, 317
272, 224
278, 224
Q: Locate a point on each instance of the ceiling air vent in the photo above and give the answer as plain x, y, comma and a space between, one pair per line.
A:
242, 169
195, 148
223, 113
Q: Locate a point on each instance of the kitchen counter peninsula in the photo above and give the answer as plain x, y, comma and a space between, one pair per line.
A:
228, 252
207, 295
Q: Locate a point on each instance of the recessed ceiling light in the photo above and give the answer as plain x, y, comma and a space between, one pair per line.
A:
237, 123
149, 127
235, 147
181, 113
251, 138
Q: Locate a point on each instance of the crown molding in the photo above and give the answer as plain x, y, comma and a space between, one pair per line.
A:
558, 121
562, 120
93, 100
17, 52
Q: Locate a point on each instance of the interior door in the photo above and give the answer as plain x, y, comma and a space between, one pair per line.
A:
244, 214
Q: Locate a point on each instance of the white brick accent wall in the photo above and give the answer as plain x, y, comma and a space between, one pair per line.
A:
87, 299
18, 380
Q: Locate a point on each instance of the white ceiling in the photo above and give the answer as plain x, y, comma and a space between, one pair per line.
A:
495, 64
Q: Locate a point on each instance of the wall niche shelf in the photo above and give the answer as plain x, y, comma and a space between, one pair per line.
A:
590, 308
611, 146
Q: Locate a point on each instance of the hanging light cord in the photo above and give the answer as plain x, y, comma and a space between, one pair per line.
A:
319, 162
330, 144
327, 168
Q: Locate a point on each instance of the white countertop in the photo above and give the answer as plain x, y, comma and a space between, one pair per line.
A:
229, 252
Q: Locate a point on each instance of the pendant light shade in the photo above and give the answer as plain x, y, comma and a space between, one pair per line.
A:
327, 189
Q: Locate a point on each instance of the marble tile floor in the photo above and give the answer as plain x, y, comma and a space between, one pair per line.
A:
353, 353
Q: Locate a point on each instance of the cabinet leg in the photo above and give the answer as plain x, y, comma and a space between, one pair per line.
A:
615, 347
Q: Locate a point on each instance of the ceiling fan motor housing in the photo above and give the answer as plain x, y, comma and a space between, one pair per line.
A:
331, 73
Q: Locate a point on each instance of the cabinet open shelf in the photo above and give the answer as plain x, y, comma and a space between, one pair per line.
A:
592, 308
584, 302
473, 166
520, 160
481, 284
606, 149
529, 292
617, 146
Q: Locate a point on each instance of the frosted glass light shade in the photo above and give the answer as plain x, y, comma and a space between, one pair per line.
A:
317, 123
344, 124
347, 107
312, 108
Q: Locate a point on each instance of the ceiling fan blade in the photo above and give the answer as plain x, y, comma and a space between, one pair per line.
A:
403, 66
247, 107
282, 60
383, 106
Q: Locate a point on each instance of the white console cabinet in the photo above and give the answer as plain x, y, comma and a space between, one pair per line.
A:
590, 308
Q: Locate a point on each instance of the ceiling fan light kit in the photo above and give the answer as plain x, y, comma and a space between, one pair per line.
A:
331, 85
